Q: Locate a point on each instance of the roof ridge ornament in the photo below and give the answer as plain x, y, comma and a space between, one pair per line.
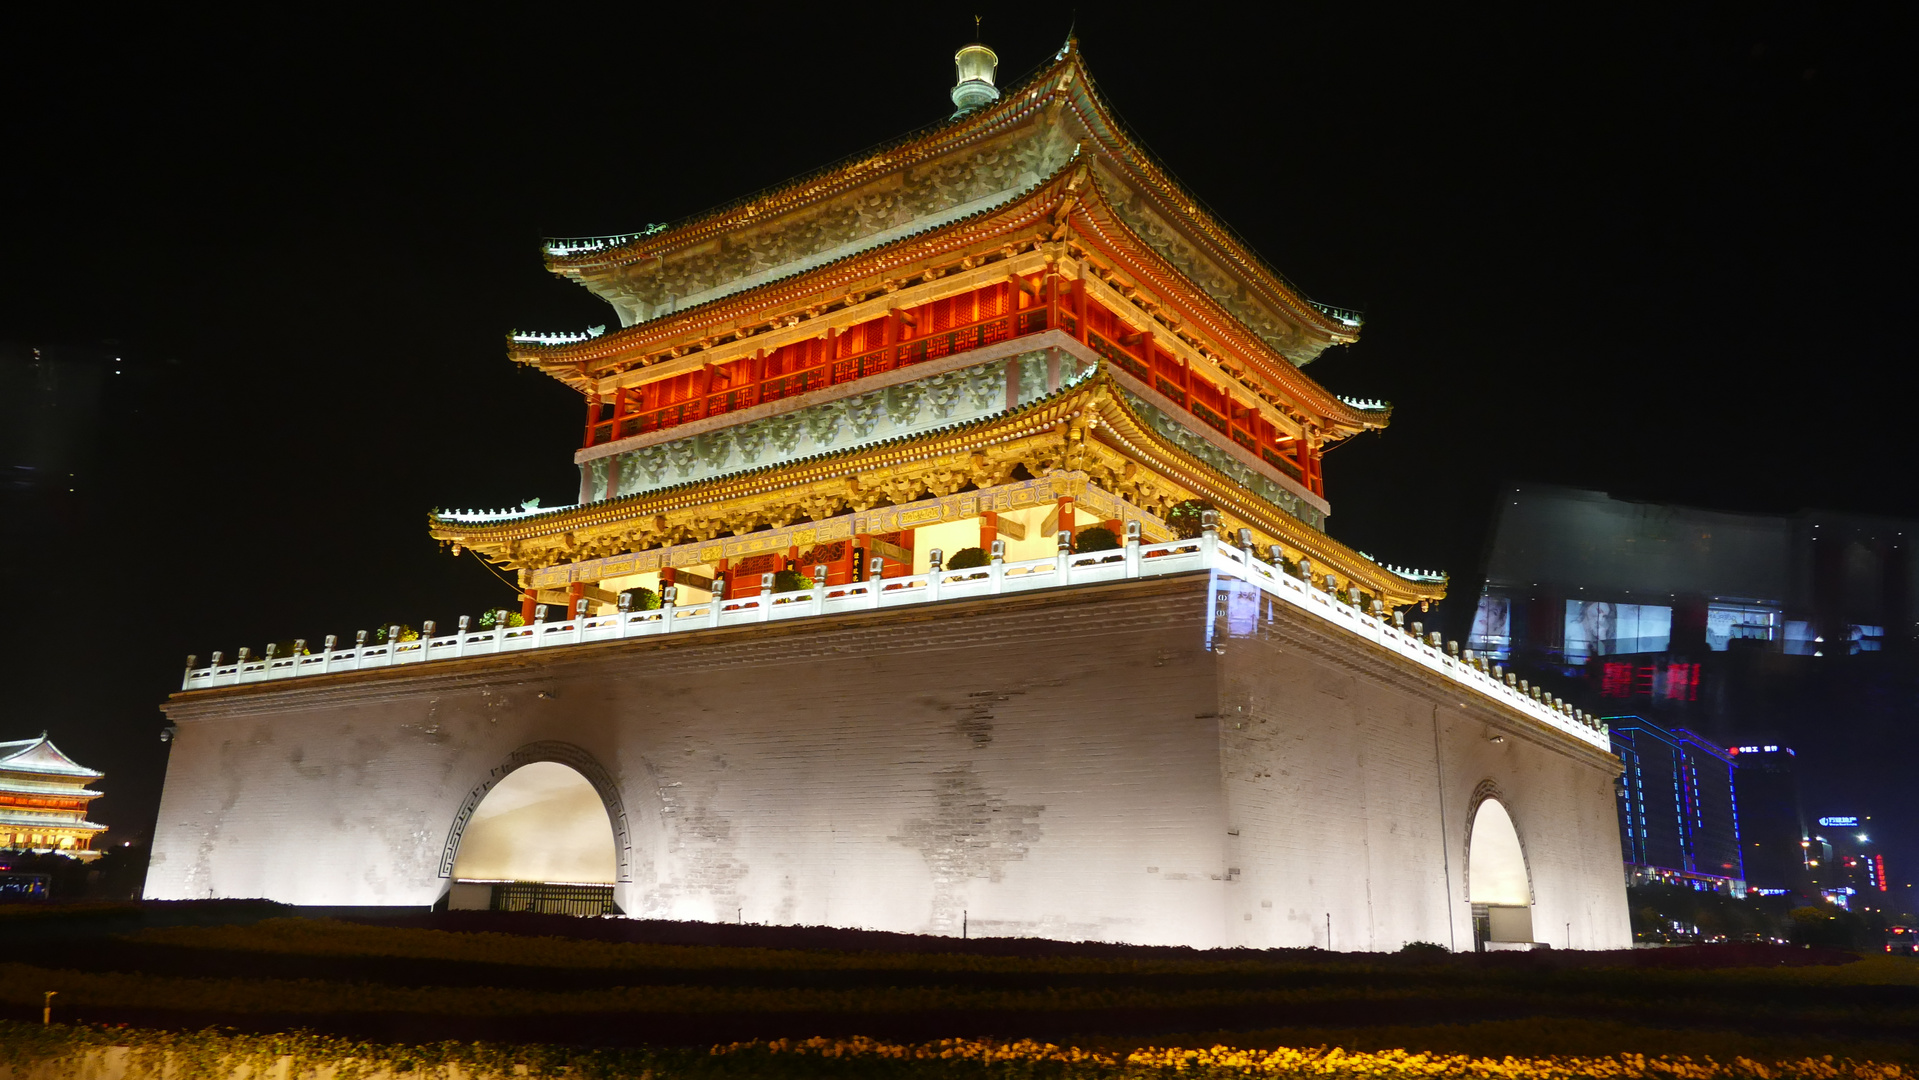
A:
975, 65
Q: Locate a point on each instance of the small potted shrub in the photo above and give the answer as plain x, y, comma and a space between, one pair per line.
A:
969, 558
1097, 538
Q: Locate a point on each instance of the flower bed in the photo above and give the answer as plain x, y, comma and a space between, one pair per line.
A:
64, 1052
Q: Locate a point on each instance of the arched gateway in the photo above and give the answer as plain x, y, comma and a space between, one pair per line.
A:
545, 832
1498, 885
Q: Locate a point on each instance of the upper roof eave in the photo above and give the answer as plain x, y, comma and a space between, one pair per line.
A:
41, 757
573, 362
1067, 76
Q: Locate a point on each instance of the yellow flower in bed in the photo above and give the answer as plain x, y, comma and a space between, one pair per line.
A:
1336, 1062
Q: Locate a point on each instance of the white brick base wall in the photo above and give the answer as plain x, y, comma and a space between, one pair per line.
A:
1104, 762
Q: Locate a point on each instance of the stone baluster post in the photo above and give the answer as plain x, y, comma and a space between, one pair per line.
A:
934, 559
873, 571
1061, 573
766, 596
819, 589
996, 565
188, 677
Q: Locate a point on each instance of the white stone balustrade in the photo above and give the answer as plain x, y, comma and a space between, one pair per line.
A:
1133, 561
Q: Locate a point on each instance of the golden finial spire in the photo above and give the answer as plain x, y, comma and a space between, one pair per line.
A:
976, 64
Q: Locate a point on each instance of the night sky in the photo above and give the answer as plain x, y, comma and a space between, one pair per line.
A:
1664, 255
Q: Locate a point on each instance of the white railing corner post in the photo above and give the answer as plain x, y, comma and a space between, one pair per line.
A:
625, 606
874, 570
819, 589
1132, 548
1061, 573
997, 567
933, 569
766, 596
188, 677
668, 593
326, 657
716, 600
1208, 537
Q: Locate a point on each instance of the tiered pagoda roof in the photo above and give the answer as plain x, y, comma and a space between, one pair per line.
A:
1018, 292
43, 798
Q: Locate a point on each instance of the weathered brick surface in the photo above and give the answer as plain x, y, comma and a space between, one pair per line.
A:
1087, 763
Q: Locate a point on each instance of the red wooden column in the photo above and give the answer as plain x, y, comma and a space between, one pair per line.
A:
1079, 309
574, 594
1303, 457
988, 531
592, 417
529, 599
840, 570
1051, 285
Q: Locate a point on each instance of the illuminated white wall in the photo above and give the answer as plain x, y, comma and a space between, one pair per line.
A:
544, 822
1495, 864
1080, 764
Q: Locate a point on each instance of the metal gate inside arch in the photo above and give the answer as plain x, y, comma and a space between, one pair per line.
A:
555, 897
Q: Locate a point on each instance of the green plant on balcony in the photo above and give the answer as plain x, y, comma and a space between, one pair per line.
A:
1184, 518
967, 558
1097, 538
644, 599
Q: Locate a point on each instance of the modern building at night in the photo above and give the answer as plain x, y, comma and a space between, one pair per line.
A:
1678, 812
950, 555
1750, 630
43, 800
1773, 836
1637, 600
1848, 864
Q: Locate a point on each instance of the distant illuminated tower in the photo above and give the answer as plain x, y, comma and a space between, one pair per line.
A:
43, 800
949, 555
1775, 843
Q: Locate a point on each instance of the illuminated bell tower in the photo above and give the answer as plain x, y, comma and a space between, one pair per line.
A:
1008, 326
